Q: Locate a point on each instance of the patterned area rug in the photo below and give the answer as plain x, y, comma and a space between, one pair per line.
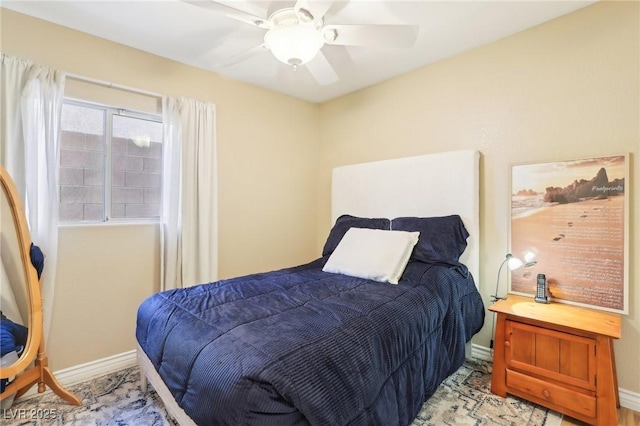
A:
116, 399
465, 398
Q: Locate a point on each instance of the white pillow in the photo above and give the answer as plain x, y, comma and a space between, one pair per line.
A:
374, 254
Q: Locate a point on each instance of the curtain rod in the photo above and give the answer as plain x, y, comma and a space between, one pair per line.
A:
110, 85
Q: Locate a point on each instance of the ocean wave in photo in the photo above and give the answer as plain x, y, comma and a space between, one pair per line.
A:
525, 205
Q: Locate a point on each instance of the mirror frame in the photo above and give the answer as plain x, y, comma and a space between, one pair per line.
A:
34, 321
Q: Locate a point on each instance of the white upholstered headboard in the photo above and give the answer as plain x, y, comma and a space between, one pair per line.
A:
426, 185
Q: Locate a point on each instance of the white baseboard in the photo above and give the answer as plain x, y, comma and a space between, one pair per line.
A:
481, 352
79, 373
628, 399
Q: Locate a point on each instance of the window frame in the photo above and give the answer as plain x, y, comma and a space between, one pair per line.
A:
107, 178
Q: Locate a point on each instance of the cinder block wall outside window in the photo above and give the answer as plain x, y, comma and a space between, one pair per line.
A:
136, 178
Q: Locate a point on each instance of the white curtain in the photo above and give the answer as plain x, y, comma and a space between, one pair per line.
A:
30, 150
189, 239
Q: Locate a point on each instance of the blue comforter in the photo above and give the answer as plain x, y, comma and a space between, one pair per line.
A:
301, 346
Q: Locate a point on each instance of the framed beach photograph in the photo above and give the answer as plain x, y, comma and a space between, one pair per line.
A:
570, 222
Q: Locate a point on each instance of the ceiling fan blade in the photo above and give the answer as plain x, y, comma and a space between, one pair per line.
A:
371, 35
231, 12
321, 70
234, 59
312, 10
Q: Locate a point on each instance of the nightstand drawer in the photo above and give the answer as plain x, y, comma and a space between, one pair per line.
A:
553, 395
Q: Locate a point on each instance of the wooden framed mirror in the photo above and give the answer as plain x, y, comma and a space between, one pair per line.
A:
21, 303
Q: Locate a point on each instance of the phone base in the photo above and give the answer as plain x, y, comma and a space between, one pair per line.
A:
543, 299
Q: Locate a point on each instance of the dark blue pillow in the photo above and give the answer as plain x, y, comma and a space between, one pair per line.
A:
37, 258
441, 238
345, 222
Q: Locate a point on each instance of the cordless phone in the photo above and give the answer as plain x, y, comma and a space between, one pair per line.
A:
541, 289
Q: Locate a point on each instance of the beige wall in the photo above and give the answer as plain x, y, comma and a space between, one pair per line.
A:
564, 90
268, 146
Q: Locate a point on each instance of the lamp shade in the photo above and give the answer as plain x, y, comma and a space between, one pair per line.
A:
513, 262
294, 44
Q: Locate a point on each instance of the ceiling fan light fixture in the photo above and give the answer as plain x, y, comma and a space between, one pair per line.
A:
294, 44
330, 35
304, 15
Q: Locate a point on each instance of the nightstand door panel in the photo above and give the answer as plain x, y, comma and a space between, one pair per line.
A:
547, 352
559, 356
575, 359
522, 345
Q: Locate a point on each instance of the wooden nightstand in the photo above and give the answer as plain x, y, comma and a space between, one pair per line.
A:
559, 356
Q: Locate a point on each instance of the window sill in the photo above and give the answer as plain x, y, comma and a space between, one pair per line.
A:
142, 222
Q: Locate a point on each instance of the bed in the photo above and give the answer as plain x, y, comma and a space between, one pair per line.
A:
336, 341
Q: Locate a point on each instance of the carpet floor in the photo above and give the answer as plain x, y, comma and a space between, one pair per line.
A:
116, 399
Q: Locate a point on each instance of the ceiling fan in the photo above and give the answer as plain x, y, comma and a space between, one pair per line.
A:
296, 35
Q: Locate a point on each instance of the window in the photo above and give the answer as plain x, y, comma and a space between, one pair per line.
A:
110, 164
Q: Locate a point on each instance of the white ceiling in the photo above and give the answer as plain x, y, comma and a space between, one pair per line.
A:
203, 38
